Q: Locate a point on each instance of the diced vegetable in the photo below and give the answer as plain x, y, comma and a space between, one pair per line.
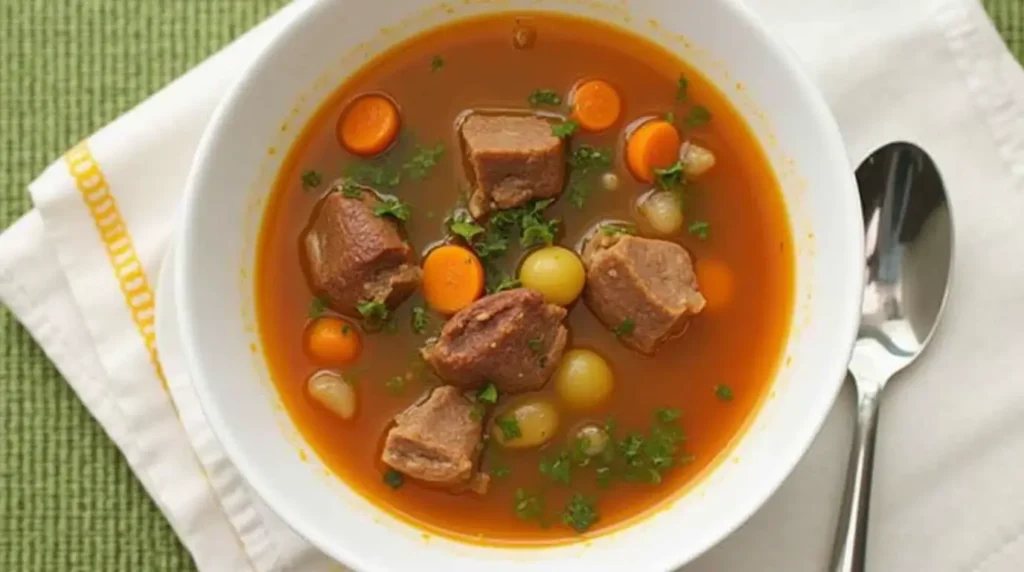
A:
535, 421
453, 278
590, 440
369, 125
653, 145
555, 272
716, 282
610, 181
332, 341
696, 160
663, 213
583, 379
333, 392
596, 105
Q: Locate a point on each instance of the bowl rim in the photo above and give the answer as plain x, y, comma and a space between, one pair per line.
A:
833, 148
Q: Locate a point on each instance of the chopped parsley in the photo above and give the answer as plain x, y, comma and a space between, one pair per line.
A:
624, 328
667, 414
558, 469
390, 206
476, 412
584, 162
700, 229
535, 345
681, 88
311, 179
604, 477
351, 190
696, 116
436, 63
463, 226
670, 177
580, 513
394, 479
541, 97
505, 282
488, 394
396, 384
317, 306
670, 116
723, 392
529, 506
534, 228
500, 471
374, 175
509, 428
617, 228
419, 319
423, 161
564, 129
375, 315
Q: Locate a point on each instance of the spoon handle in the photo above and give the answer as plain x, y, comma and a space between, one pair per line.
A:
848, 552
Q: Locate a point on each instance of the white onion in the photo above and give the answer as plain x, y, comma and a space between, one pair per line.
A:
664, 213
696, 160
333, 392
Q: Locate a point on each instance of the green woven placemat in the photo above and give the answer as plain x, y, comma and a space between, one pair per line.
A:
67, 500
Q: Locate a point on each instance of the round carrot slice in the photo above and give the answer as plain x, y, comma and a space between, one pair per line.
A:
369, 125
596, 105
332, 341
453, 278
653, 145
716, 283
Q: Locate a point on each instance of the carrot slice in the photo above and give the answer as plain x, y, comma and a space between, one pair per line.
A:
596, 105
369, 125
453, 278
653, 145
716, 281
332, 341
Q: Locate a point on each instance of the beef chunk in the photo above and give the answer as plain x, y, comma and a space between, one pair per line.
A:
515, 158
644, 282
437, 440
354, 256
513, 339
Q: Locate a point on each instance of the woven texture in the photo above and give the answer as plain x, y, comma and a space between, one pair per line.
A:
67, 500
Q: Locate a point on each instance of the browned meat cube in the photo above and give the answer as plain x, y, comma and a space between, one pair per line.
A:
513, 339
515, 158
645, 288
437, 440
354, 256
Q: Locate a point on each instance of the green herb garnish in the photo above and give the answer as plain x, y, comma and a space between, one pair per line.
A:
558, 469
617, 228
351, 190
529, 506
476, 412
488, 394
700, 229
419, 319
697, 115
670, 177
723, 392
423, 161
310, 179
396, 384
670, 116
541, 97
667, 414
681, 88
509, 428
580, 513
584, 162
436, 63
564, 129
317, 307
465, 227
375, 315
624, 328
500, 471
374, 175
505, 282
535, 345
390, 206
394, 479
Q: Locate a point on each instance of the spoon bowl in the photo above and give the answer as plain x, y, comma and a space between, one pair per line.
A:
908, 263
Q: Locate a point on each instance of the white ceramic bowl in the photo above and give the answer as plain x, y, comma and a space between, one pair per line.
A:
256, 124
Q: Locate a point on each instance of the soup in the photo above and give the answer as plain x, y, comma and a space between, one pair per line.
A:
523, 278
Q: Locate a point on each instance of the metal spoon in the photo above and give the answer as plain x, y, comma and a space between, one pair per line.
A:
909, 239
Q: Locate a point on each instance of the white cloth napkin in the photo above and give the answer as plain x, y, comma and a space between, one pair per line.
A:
79, 271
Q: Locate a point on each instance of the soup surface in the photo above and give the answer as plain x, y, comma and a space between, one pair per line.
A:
626, 414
